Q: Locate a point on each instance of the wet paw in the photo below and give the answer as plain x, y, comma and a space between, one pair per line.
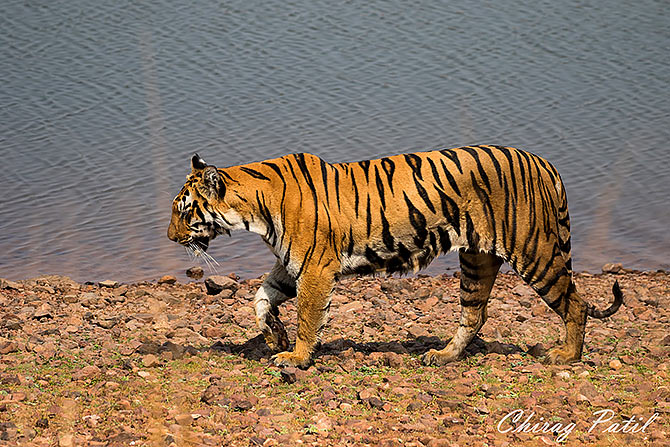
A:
290, 358
436, 358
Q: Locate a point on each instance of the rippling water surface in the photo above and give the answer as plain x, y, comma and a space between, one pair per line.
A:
102, 104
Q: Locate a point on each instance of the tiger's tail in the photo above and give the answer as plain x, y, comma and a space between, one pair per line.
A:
591, 311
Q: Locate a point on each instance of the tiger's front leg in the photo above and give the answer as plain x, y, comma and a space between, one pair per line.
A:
276, 289
314, 287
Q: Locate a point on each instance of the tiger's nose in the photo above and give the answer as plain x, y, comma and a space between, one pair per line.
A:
172, 232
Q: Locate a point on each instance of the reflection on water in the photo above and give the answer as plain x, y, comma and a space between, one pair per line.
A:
102, 105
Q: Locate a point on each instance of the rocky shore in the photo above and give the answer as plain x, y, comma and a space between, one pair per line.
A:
166, 363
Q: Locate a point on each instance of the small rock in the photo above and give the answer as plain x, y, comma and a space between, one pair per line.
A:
376, 402
195, 272
7, 284
324, 424
354, 306
523, 290
414, 406
612, 268
150, 360
110, 284
615, 364
417, 331
8, 431
8, 347
87, 372
346, 407
289, 375
215, 284
365, 394
537, 350
393, 359
564, 375
167, 279
183, 419
144, 374
213, 332
65, 440
42, 314
243, 405
107, 322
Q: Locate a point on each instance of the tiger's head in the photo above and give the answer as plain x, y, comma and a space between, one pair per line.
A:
195, 218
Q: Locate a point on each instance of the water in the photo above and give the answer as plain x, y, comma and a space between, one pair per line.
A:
102, 104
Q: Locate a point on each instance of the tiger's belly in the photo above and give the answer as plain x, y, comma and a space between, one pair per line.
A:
404, 257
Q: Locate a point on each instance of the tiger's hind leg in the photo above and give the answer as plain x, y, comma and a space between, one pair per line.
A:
478, 273
553, 282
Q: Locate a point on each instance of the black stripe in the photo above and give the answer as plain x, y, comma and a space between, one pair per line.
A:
470, 233
522, 172
482, 173
445, 240
544, 290
532, 242
297, 182
486, 206
387, 238
450, 179
306, 260
414, 161
300, 158
274, 168
418, 221
450, 211
465, 289
365, 164
436, 175
512, 175
494, 160
356, 199
380, 187
389, 168
472, 275
433, 241
267, 217
287, 255
350, 248
424, 195
254, 173
337, 188
469, 303
368, 217
324, 174
373, 257
467, 264
538, 278
453, 156
404, 252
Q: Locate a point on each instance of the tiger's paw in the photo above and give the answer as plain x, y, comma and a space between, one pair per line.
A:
290, 358
561, 356
276, 338
436, 358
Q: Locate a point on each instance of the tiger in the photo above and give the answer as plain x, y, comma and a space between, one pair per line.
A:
324, 221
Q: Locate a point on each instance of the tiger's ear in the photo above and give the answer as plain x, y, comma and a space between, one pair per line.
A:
197, 163
212, 182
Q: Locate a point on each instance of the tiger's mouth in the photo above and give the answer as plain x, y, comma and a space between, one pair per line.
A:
201, 242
